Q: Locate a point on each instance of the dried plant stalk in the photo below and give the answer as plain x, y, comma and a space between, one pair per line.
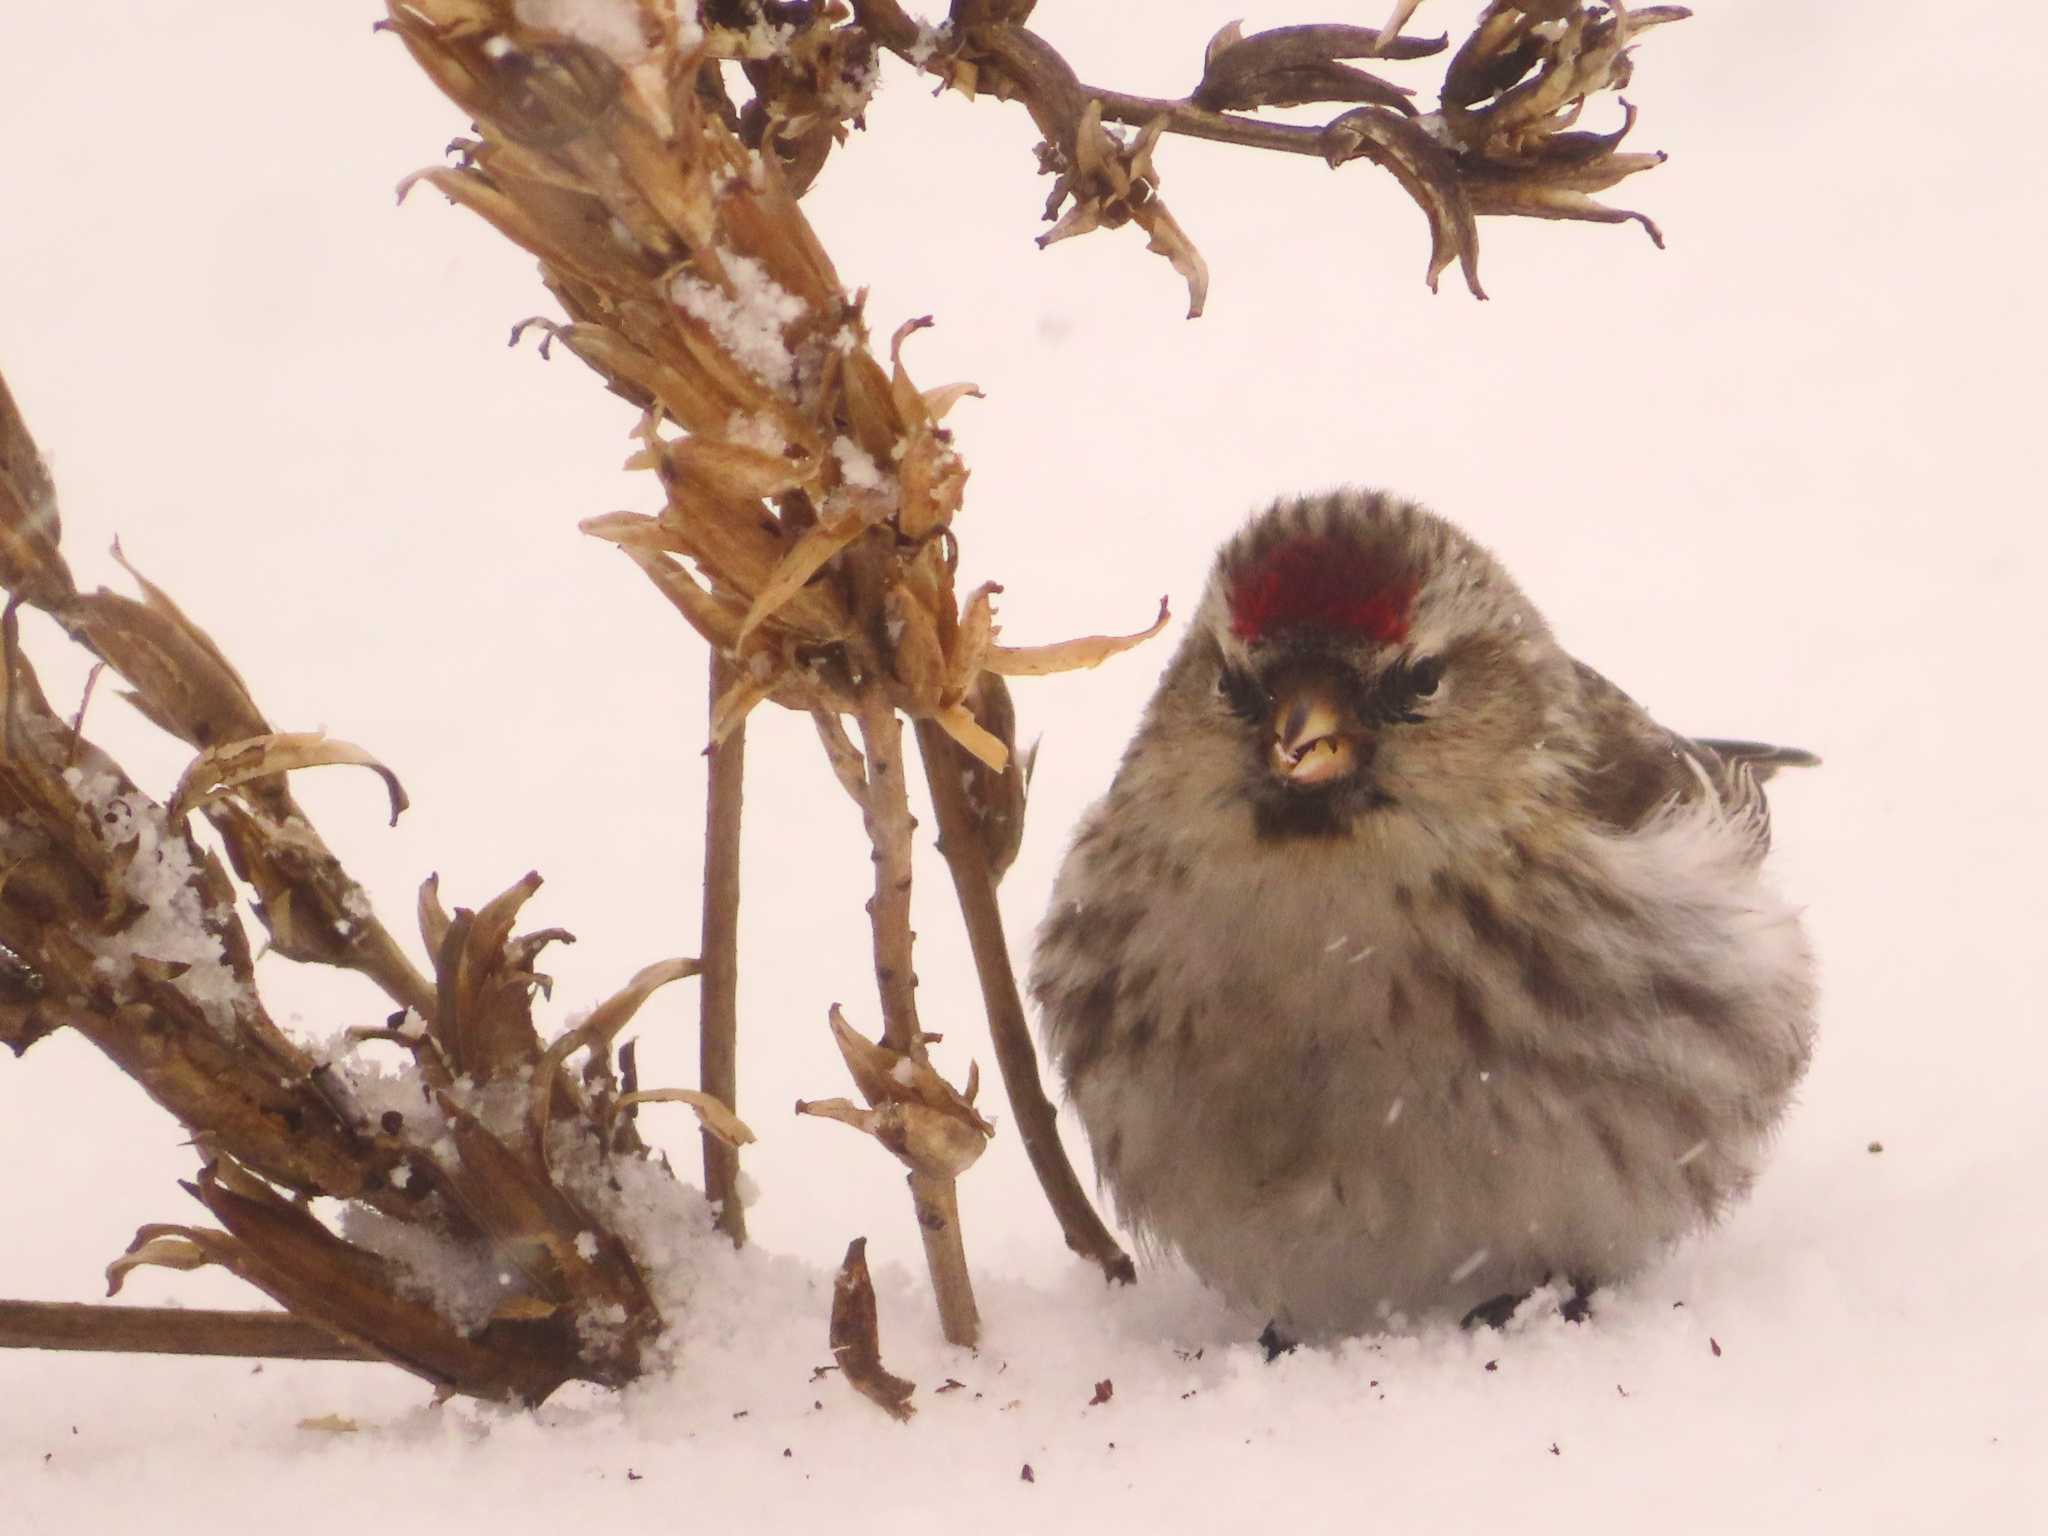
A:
889, 828
170, 1331
809, 492
963, 842
718, 1046
487, 1157
1502, 140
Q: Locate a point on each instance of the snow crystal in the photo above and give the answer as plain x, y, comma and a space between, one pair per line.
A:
748, 323
612, 27
928, 40
856, 466
599, 1328
161, 879
757, 432
1691, 1152
1433, 124
1394, 1110
1337, 943
460, 1284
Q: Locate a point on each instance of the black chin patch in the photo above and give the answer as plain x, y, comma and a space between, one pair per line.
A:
1283, 814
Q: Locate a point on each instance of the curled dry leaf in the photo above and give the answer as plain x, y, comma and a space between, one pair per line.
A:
995, 797
433, 917
597, 1033
1069, 655
855, 1336
219, 770
1291, 66
712, 1113
886, 1076
165, 1247
927, 1141
30, 528
958, 722
1428, 174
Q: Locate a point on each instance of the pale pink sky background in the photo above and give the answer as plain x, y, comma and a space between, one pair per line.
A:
1777, 480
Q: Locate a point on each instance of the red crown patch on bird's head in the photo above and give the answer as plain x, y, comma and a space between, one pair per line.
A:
1322, 582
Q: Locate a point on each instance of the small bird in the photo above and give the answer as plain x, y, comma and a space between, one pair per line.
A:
1408, 965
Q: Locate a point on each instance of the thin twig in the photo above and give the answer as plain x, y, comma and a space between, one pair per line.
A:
718, 1038
847, 764
889, 827
102, 1326
1034, 1114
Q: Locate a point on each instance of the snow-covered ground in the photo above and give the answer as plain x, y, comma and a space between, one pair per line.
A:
1776, 480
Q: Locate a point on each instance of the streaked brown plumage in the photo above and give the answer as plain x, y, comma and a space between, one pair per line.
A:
1407, 962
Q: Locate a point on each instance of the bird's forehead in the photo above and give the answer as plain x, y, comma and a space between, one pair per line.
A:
1361, 590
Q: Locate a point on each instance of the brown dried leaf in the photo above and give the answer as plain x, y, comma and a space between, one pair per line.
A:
1288, 66
30, 529
1068, 655
855, 1336
285, 1252
737, 473
1426, 172
712, 1113
995, 797
737, 702
1168, 239
717, 620
330, 1424
433, 917
915, 652
166, 1247
972, 638
181, 681
597, 1033
219, 770
937, 402
884, 1076
923, 1139
959, 723
803, 561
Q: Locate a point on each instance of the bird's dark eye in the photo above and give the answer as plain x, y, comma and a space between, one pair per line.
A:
1241, 691
1425, 675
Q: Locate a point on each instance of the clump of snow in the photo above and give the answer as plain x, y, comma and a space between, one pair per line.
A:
757, 432
612, 27
383, 1090
857, 466
749, 321
162, 880
929, 38
462, 1284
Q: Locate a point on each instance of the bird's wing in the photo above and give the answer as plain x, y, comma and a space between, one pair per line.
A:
1637, 767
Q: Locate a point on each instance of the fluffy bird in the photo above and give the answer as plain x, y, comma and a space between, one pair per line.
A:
1408, 964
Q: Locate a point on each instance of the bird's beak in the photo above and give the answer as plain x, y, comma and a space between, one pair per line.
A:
1309, 744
